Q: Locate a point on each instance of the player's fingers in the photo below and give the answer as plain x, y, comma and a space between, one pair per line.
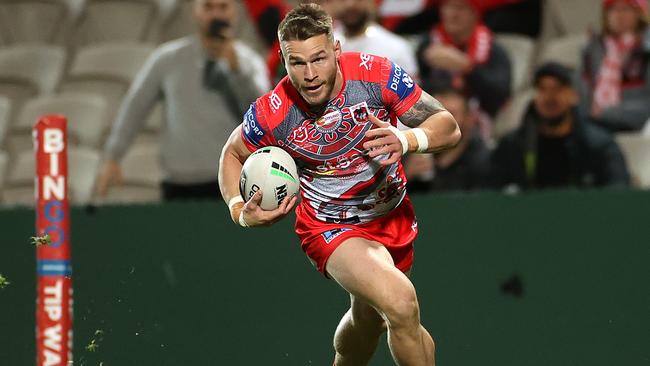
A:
377, 122
386, 149
378, 132
377, 142
291, 204
255, 201
392, 159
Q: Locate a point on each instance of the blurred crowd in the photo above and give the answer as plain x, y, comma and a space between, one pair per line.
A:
548, 94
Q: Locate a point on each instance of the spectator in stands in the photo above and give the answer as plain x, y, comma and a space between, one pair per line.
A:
460, 53
615, 69
556, 146
462, 168
206, 80
357, 31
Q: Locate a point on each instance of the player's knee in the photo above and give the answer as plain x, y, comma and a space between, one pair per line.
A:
365, 316
401, 310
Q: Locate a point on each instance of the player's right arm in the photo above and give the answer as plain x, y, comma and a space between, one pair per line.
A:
233, 156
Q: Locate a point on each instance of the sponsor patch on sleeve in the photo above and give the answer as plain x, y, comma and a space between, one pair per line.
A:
253, 132
400, 82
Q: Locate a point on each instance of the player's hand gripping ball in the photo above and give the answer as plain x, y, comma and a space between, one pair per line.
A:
271, 170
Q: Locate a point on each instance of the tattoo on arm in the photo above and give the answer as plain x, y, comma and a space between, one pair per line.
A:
424, 108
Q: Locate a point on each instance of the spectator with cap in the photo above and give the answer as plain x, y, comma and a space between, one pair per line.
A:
206, 80
615, 70
357, 31
464, 167
460, 53
556, 146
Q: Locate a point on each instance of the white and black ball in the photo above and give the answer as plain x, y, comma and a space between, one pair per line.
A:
272, 170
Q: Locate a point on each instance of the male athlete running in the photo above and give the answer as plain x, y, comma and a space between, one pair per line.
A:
335, 114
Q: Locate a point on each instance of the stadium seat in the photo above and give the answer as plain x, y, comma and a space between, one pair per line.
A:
120, 20
29, 69
566, 50
562, 18
42, 65
37, 21
107, 70
520, 49
115, 60
510, 116
141, 175
141, 165
636, 148
86, 114
5, 113
82, 166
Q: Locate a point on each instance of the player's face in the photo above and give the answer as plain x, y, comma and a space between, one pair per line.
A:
622, 18
457, 16
553, 100
207, 11
312, 66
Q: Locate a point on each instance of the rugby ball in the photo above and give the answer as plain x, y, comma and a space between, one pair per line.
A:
272, 170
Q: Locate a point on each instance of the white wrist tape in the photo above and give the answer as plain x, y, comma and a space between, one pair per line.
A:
233, 201
242, 222
423, 140
402, 138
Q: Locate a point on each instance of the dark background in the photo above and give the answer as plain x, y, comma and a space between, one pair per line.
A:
556, 278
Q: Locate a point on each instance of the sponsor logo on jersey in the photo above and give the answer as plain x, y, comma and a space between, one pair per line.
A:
330, 120
252, 130
275, 102
330, 235
366, 61
400, 82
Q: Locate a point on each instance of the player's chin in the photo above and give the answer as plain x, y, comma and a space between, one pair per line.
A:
318, 99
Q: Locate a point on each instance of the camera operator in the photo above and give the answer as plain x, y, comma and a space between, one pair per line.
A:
206, 80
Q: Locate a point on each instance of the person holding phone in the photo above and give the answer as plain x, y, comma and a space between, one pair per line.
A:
206, 80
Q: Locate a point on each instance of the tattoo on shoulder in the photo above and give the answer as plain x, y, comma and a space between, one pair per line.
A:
424, 108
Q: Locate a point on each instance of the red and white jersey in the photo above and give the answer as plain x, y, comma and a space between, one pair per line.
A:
339, 182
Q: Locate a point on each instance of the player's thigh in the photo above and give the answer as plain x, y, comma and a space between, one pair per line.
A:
365, 269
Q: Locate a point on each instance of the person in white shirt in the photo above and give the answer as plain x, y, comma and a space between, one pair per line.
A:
357, 31
206, 81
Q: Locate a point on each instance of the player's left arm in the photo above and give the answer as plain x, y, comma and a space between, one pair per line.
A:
432, 129
439, 126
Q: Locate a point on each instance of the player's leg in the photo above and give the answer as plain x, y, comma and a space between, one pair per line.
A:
357, 335
365, 269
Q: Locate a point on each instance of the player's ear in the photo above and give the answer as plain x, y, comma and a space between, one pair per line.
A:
337, 48
281, 57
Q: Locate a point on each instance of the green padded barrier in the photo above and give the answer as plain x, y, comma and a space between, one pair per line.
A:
556, 278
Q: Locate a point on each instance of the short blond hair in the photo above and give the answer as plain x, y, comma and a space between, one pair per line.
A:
305, 21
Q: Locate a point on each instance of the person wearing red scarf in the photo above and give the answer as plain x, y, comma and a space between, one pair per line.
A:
460, 53
615, 68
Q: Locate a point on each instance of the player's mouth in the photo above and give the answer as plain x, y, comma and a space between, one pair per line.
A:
313, 89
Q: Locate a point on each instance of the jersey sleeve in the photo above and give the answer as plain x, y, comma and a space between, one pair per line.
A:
255, 131
399, 92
